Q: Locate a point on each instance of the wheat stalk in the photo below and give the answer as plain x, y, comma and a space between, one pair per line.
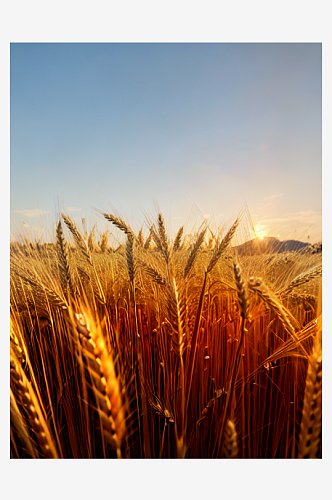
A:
243, 302
218, 393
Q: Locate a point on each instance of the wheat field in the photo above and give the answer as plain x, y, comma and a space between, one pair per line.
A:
163, 348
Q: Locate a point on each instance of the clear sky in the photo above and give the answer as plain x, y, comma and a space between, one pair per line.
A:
195, 129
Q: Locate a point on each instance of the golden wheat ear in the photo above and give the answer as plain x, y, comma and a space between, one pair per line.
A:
25, 395
100, 365
256, 285
311, 424
104, 242
19, 428
177, 241
242, 292
120, 224
229, 445
63, 262
79, 240
194, 252
221, 247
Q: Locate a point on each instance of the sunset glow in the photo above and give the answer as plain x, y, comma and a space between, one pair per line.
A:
260, 233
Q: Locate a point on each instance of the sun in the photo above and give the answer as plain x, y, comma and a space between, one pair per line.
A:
259, 232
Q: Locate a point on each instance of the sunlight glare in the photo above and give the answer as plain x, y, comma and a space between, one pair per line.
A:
259, 232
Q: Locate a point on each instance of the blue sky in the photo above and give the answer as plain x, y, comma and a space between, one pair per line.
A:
197, 129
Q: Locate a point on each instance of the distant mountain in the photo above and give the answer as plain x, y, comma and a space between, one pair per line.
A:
271, 245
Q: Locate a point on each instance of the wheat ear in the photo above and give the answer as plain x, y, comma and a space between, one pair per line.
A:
19, 427
284, 316
194, 252
175, 314
107, 388
148, 241
163, 237
104, 242
156, 276
242, 293
80, 241
83, 246
221, 247
130, 258
229, 445
178, 238
63, 257
301, 279
311, 424
38, 287
140, 238
120, 224
24, 392
92, 245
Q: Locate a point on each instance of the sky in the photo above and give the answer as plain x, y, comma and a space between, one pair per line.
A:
197, 130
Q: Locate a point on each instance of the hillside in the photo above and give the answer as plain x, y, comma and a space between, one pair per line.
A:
271, 245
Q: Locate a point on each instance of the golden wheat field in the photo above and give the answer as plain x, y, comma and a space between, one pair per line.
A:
191, 347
